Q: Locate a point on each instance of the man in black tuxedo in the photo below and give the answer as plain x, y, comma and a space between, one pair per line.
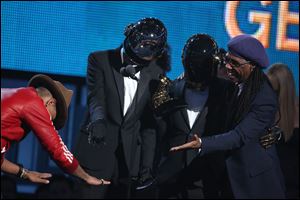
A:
197, 106
117, 139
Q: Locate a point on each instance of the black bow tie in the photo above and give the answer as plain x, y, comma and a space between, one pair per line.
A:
130, 71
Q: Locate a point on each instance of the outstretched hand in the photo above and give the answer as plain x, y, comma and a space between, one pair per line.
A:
193, 144
37, 177
95, 181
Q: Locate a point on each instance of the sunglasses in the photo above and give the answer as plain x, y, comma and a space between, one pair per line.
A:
234, 63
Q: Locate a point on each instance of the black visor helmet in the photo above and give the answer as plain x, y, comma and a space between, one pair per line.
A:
145, 40
200, 58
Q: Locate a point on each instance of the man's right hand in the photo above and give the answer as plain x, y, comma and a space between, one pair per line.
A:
195, 143
96, 132
37, 177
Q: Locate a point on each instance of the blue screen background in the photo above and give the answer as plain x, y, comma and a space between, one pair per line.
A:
56, 37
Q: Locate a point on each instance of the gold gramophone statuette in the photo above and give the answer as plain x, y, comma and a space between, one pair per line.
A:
161, 95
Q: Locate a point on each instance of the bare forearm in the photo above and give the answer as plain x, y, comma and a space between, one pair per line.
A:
32, 176
79, 172
9, 167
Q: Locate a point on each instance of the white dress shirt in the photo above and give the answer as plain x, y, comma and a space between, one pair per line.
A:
130, 87
195, 100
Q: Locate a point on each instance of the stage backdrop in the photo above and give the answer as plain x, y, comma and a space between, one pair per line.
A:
56, 37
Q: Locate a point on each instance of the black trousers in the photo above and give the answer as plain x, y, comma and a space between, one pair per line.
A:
121, 184
204, 177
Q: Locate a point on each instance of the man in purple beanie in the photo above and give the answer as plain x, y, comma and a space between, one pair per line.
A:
251, 170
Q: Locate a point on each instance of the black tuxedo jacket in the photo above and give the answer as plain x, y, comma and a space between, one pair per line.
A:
105, 101
210, 120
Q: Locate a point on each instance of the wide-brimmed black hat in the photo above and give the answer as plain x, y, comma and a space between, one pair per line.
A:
62, 95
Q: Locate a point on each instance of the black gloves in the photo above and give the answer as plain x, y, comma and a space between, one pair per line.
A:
274, 135
96, 132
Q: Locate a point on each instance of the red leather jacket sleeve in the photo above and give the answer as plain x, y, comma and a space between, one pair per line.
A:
37, 117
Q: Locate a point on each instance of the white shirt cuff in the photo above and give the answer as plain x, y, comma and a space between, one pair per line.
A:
200, 146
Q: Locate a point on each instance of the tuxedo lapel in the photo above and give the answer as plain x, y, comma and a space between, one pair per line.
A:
143, 84
198, 128
185, 117
131, 109
200, 121
119, 80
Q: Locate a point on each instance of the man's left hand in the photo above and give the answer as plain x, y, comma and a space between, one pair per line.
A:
94, 181
193, 144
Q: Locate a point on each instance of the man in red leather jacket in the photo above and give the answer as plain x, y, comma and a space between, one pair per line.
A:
42, 107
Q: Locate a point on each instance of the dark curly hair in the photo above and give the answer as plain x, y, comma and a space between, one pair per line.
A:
164, 61
239, 106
